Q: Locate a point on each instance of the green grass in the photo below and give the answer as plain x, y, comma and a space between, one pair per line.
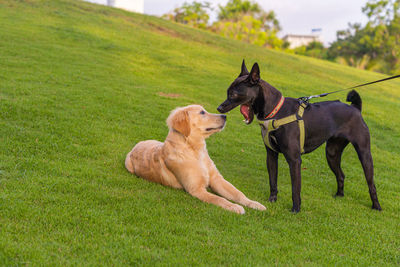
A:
79, 86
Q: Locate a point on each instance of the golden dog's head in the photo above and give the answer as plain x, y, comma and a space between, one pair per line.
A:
195, 120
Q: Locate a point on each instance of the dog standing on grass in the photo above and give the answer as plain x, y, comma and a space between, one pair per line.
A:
333, 122
182, 161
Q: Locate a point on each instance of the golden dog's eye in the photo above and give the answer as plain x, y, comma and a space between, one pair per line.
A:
202, 112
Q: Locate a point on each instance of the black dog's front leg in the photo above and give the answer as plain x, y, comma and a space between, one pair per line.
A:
295, 175
272, 166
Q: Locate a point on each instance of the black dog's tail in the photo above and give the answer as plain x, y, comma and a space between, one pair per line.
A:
355, 99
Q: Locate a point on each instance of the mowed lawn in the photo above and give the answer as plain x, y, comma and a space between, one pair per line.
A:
81, 84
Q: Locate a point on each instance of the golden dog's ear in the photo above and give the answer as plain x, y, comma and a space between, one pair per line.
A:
179, 121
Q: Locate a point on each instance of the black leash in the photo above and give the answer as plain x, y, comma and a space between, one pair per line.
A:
305, 99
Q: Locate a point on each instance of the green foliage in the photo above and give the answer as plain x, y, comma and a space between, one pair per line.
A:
314, 49
81, 84
193, 14
234, 9
375, 46
249, 29
381, 12
238, 19
247, 21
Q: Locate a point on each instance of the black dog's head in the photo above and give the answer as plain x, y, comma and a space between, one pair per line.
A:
243, 91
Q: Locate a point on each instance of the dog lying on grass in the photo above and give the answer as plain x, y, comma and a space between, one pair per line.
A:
333, 122
182, 161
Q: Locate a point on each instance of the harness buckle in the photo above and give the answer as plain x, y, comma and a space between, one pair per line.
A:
304, 100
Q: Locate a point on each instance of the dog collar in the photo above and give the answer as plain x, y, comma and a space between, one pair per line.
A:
276, 109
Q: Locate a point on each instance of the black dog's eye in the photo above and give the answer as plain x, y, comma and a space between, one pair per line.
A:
233, 95
202, 112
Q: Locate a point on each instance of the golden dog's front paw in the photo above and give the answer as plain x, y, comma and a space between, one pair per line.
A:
256, 205
236, 208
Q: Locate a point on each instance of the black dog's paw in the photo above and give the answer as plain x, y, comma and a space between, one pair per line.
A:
295, 210
272, 198
339, 194
376, 206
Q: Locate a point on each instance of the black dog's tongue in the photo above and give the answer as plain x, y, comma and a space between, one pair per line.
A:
247, 113
245, 110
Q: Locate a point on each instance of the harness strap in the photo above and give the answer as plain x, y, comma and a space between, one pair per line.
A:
273, 125
301, 126
278, 123
266, 130
302, 135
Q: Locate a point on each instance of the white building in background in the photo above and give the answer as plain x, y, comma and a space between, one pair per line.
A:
130, 5
297, 40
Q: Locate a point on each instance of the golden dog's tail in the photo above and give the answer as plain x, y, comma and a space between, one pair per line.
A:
128, 163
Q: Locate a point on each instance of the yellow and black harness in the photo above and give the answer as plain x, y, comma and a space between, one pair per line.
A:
270, 125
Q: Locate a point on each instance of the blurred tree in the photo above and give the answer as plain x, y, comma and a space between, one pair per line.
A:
314, 49
236, 8
377, 45
247, 21
381, 11
194, 14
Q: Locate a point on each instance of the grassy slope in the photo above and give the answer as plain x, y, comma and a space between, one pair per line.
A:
80, 86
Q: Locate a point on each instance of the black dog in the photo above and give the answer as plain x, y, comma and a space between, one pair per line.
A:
332, 122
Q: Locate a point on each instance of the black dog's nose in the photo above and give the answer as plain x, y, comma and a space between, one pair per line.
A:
220, 109
224, 117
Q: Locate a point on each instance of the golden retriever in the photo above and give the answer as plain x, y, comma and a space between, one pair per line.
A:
182, 161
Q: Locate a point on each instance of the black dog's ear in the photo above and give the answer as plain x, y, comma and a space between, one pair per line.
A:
244, 70
255, 74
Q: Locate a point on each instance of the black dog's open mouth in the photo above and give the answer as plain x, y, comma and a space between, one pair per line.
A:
247, 112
